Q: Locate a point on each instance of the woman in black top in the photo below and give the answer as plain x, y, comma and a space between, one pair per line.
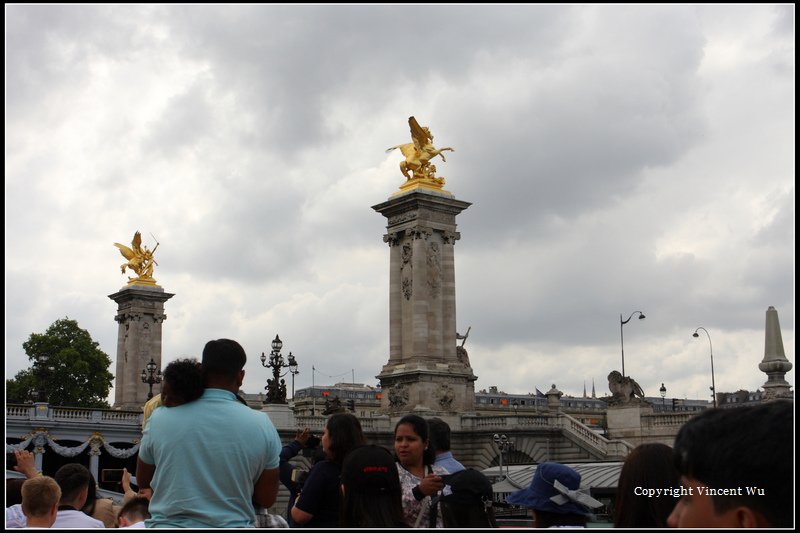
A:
317, 505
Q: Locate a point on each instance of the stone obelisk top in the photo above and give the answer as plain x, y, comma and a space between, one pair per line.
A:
774, 364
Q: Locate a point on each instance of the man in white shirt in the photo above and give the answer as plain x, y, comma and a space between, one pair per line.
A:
74, 481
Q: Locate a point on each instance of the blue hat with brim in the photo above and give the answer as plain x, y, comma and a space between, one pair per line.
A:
554, 489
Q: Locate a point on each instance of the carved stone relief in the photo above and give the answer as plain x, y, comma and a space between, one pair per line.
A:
407, 288
446, 396
393, 238
407, 253
450, 237
127, 316
402, 217
420, 233
434, 269
406, 272
144, 343
398, 396
462, 356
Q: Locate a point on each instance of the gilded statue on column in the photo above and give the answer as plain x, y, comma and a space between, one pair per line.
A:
140, 261
417, 166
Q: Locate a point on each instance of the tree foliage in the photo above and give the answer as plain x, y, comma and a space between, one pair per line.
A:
76, 373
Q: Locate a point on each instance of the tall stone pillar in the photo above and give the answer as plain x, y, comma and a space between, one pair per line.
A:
140, 313
424, 371
774, 365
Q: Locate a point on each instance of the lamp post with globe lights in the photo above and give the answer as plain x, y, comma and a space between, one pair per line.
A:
151, 376
276, 387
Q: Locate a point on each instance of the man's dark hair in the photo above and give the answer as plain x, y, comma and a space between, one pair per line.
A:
440, 435
223, 357
747, 447
185, 378
72, 478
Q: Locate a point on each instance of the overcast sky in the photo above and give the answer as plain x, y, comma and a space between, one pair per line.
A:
618, 158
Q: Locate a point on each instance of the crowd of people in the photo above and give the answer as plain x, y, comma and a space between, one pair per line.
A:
206, 460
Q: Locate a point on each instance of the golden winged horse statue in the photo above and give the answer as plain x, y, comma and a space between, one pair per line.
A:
419, 153
140, 261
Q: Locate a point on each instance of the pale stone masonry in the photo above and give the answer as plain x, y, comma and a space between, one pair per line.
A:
140, 313
775, 364
424, 371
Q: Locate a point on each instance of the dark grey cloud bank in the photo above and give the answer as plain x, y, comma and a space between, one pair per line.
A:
618, 158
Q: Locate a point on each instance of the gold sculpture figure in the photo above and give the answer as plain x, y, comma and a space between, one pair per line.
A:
140, 261
419, 153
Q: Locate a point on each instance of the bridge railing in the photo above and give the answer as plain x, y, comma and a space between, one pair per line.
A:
660, 420
42, 412
508, 422
606, 447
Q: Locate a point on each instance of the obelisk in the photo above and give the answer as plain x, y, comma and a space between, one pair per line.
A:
774, 364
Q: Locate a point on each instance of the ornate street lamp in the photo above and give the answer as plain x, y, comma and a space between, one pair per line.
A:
503, 444
663, 391
711, 351
151, 376
293, 370
621, 342
276, 387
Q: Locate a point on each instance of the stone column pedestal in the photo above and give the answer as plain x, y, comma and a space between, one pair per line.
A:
626, 422
281, 415
425, 372
140, 313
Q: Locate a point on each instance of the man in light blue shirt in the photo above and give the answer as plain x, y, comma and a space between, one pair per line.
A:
208, 460
439, 434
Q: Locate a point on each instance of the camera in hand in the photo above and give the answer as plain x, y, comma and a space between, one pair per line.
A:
11, 460
313, 441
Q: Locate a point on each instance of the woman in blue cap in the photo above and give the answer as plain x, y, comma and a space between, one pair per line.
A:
554, 497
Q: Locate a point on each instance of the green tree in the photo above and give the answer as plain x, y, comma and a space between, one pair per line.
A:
75, 374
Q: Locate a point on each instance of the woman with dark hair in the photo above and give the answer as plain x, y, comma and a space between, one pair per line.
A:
318, 503
649, 466
419, 480
371, 495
